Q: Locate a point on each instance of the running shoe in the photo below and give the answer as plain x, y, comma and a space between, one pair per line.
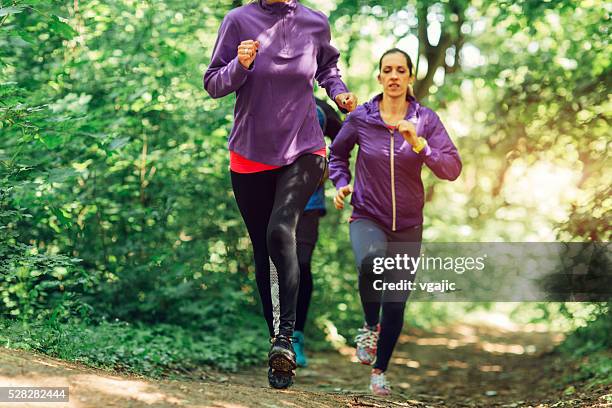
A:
298, 347
379, 385
367, 343
281, 360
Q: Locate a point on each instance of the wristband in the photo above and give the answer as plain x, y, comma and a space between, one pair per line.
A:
421, 144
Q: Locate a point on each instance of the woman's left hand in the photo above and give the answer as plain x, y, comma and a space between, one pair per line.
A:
347, 100
408, 131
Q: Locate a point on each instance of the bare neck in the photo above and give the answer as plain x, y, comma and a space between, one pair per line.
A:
393, 107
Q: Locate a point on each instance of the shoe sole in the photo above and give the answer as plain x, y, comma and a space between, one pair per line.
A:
280, 360
379, 395
286, 385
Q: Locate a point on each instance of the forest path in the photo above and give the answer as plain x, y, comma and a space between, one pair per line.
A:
465, 365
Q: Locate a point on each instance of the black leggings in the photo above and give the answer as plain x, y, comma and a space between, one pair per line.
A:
306, 235
370, 240
271, 203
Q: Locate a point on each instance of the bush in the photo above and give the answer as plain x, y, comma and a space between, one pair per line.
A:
34, 282
154, 350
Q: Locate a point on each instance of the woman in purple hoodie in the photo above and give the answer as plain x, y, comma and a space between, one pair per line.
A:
268, 53
396, 136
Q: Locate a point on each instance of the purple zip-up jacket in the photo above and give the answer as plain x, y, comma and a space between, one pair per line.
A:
388, 188
275, 116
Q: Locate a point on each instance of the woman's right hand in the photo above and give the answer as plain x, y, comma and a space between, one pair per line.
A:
342, 193
247, 51
347, 100
408, 132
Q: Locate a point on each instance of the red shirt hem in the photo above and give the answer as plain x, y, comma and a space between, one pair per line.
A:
240, 164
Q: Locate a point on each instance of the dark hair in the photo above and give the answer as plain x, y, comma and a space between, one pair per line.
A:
408, 62
396, 51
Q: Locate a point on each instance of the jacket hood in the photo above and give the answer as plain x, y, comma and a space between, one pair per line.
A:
278, 8
372, 110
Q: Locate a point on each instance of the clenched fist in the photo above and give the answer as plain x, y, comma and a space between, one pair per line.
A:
408, 131
342, 193
347, 100
247, 51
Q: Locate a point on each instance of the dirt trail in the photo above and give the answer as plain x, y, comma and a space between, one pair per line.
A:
462, 366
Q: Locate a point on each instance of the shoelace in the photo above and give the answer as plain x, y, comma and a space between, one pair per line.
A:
379, 381
366, 338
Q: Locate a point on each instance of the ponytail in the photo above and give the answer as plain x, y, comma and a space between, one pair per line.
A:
411, 92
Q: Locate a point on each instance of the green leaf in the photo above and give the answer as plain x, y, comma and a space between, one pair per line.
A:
10, 10
61, 28
52, 141
61, 217
26, 36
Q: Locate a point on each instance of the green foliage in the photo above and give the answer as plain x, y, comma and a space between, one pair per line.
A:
121, 174
591, 346
35, 280
595, 370
594, 336
153, 350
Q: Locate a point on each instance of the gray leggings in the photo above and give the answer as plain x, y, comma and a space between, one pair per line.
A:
371, 240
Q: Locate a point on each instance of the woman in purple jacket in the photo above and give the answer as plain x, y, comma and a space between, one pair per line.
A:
269, 52
396, 136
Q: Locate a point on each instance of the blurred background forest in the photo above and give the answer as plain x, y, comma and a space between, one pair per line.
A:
120, 241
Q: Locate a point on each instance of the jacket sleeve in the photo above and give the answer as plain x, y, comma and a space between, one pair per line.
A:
225, 74
340, 153
441, 155
328, 74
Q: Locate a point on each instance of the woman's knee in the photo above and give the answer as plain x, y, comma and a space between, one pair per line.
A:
280, 234
368, 262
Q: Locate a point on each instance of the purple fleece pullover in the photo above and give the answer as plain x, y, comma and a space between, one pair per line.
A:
275, 117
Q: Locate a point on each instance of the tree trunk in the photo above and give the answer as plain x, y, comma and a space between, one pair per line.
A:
451, 36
